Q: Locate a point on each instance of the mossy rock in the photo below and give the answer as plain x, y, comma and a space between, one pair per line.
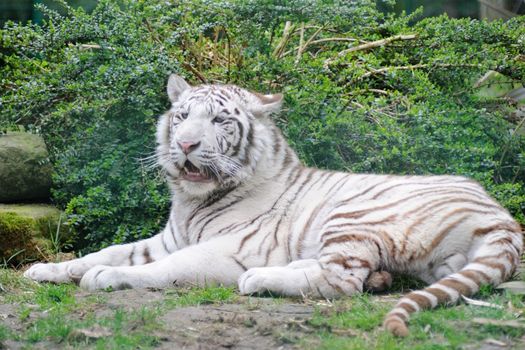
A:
25, 170
29, 232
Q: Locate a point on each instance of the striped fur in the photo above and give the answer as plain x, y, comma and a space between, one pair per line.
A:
247, 212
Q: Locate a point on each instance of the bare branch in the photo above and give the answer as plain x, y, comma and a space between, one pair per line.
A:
319, 41
301, 42
416, 66
301, 49
287, 32
377, 43
195, 72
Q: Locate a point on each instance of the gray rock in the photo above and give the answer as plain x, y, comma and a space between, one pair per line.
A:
25, 170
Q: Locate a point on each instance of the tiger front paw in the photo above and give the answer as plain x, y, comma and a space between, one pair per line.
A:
64, 272
263, 279
111, 277
47, 273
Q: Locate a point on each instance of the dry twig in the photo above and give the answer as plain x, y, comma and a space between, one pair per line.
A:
195, 72
301, 43
287, 32
500, 323
318, 41
308, 42
377, 43
416, 66
481, 303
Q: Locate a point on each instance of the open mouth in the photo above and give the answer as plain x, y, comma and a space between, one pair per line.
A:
191, 173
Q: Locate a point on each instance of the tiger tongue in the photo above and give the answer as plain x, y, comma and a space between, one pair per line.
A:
196, 177
192, 173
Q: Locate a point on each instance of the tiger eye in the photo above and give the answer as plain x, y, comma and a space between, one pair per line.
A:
217, 120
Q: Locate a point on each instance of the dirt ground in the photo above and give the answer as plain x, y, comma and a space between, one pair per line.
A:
243, 323
249, 323
235, 326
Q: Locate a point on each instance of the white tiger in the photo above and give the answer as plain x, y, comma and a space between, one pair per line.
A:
245, 211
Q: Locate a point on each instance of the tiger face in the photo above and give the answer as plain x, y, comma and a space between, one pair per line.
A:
210, 137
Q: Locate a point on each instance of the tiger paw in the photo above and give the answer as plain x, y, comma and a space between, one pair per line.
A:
68, 271
48, 273
104, 277
266, 279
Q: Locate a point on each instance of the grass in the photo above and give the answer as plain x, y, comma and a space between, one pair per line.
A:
52, 316
355, 324
53, 313
198, 296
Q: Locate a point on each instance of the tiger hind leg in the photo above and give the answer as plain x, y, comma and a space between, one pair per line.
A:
490, 263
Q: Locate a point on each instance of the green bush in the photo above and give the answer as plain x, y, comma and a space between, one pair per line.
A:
93, 86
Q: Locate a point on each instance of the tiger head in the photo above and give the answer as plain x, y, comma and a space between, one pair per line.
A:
213, 136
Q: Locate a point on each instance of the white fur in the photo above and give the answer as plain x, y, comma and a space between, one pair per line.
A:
269, 224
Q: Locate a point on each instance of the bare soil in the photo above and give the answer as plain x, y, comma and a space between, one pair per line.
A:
236, 326
249, 323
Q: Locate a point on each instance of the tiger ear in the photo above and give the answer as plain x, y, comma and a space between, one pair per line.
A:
176, 86
267, 104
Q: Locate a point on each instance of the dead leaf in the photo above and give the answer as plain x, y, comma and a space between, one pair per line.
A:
92, 333
495, 342
480, 303
345, 332
500, 323
515, 287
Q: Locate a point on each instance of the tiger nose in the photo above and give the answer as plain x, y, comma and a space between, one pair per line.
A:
188, 147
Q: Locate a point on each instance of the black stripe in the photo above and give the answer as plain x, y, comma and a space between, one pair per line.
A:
220, 97
288, 158
312, 185
342, 179
447, 201
164, 243
243, 225
356, 214
247, 237
433, 187
306, 227
367, 223
213, 198
249, 140
261, 245
275, 241
131, 255
98, 273
147, 256
277, 141
362, 193
170, 224
218, 212
308, 178
298, 170
240, 264
237, 146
